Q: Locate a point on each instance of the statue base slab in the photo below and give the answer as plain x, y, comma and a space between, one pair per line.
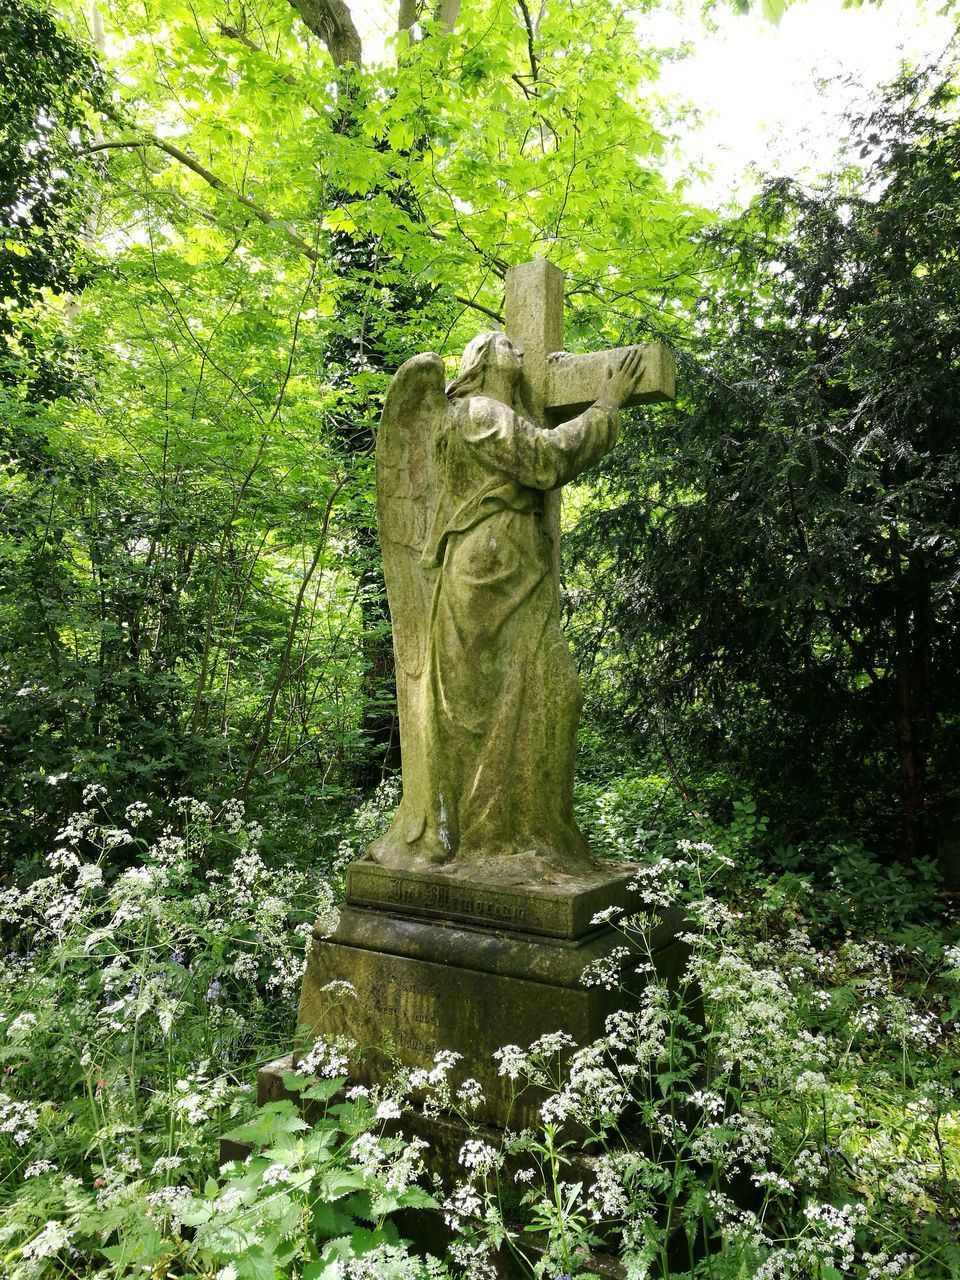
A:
557, 905
426, 981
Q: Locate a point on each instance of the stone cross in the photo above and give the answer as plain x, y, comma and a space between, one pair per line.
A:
558, 384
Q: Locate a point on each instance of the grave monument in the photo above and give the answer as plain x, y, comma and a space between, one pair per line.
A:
469, 922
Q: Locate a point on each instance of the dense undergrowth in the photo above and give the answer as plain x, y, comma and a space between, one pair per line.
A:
812, 1130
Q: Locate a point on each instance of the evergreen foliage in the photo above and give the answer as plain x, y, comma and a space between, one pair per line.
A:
780, 555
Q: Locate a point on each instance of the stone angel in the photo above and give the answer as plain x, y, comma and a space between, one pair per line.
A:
488, 693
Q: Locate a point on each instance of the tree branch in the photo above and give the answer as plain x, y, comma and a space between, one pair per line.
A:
531, 50
218, 184
478, 306
264, 215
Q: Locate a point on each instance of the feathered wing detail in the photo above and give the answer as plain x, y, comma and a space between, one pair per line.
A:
406, 502
407, 498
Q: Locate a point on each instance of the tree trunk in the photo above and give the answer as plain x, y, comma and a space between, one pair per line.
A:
332, 22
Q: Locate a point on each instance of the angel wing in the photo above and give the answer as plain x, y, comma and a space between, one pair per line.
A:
406, 501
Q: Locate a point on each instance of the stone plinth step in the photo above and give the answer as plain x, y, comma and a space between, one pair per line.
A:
561, 906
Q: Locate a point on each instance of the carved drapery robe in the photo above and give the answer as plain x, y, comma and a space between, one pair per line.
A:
499, 696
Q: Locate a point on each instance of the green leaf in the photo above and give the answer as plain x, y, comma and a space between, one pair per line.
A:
327, 1220
323, 1090
321, 1270
414, 1197
255, 1263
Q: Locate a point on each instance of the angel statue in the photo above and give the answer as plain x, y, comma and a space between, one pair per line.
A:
488, 692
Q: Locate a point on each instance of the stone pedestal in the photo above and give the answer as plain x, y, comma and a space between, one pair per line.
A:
441, 961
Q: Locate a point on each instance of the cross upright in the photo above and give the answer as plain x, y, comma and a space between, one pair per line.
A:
559, 384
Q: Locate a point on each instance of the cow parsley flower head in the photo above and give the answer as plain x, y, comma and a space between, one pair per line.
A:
327, 1058
52, 1239
470, 1094
512, 1061
480, 1157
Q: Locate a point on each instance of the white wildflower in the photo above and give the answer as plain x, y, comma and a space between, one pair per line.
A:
810, 1082
608, 1197
606, 915
89, 876
339, 987
470, 1094
465, 1204
551, 1043
512, 1060
137, 812
49, 1242
327, 1058
479, 1157
22, 1025
605, 971
710, 1102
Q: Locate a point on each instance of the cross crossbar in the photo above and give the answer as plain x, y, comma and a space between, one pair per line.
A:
560, 384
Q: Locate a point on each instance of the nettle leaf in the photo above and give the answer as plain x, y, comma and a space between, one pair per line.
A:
272, 1122
359, 1207
323, 1090
291, 1080
142, 1246
321, 1270
357, 1243
328, 1221
256, 1263
334, 1183
415, 1197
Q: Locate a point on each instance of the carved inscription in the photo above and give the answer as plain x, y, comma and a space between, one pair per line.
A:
457, 899
413, 1016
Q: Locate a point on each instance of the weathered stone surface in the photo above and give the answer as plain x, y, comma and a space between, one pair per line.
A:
572, 380
428, 985
562, 906
533, 303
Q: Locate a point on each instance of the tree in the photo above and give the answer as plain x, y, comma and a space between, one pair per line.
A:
46, 120
785, 547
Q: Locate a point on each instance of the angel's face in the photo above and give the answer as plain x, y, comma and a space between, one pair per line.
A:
504, 357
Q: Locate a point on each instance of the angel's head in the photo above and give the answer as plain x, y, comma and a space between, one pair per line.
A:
490, 358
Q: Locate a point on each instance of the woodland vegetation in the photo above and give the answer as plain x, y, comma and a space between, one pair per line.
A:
223, 228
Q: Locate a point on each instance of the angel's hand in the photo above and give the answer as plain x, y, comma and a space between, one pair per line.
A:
624, 378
